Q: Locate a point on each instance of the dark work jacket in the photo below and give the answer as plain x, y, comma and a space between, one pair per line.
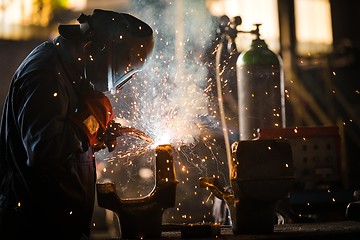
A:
47, 170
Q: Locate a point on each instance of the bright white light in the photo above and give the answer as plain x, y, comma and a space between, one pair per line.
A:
15, 12
164, 139
77, 5
146, 173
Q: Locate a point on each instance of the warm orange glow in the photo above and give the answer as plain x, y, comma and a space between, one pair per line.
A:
313, 26
17, 16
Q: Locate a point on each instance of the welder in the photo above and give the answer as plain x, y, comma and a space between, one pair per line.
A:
56, 115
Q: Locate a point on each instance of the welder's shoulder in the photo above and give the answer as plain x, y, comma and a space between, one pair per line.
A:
42, 58
39, 68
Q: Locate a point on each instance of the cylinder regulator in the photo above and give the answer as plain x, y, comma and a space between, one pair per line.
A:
260, 82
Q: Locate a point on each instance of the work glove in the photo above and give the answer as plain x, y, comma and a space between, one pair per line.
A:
94, 115
109, 137
113, 131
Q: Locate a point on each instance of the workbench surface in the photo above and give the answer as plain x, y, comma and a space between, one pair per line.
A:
342, 230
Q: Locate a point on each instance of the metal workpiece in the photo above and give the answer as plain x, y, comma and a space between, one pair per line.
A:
261, 175
142, 217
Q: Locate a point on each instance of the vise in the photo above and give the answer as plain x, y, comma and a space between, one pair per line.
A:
261, 174
142, 217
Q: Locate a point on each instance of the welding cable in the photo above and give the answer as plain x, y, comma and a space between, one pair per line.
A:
221, 104
139, 134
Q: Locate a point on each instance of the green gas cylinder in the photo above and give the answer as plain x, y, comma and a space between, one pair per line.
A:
260, 82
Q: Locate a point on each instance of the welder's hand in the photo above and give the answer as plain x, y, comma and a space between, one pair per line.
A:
109, 136
94, 116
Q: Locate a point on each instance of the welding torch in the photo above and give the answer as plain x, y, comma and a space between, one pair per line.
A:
114, 130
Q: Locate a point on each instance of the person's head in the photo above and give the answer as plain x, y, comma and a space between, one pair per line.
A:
116, 46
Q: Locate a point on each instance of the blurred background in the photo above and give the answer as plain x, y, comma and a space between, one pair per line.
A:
318, 42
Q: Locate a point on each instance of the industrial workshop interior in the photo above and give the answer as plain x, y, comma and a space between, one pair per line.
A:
252, 107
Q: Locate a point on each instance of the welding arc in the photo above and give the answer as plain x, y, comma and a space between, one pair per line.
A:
143, 136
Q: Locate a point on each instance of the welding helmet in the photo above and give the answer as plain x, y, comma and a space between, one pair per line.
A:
116, 46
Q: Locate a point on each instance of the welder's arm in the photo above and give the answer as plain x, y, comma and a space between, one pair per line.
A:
94, 117
113, 131
109, 137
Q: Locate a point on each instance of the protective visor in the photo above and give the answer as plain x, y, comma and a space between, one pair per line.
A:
120, 81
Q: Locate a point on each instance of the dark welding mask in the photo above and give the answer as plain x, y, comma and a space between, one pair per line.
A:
116, 46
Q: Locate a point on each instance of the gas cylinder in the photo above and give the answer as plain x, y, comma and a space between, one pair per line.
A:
260, 82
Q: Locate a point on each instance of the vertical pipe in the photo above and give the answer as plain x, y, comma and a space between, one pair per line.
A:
221, 105
287, 39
